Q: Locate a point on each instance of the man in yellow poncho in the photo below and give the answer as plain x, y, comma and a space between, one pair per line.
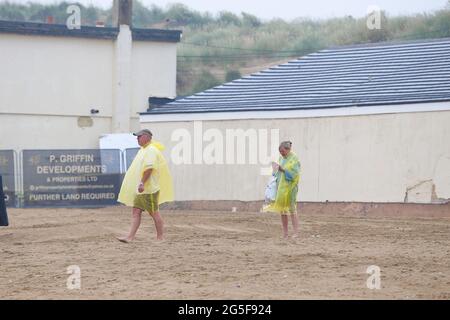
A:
287, 173
146, 184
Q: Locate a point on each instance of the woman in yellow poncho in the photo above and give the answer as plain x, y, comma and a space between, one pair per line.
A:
287, 173
146, 184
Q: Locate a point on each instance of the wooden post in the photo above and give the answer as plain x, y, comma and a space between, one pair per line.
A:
122, 12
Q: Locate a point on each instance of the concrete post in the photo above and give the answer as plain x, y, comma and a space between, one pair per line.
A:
122, 68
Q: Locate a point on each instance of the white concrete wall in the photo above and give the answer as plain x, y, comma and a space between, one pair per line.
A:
55, 75
50, 132
47, 83
367, 158
154, 73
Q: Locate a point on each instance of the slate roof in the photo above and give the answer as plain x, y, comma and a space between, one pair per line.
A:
365, 75
45, 29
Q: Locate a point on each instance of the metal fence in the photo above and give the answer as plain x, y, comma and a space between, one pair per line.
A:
63, 178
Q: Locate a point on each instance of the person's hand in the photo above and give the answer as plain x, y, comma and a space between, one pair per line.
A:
275, 166
141, 187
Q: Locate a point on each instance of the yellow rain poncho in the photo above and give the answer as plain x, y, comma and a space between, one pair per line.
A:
287, 186
148, 156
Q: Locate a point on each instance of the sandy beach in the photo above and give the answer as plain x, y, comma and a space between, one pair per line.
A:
221, 255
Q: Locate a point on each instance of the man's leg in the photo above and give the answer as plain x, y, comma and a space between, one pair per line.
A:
284, 222
136, 222
159, 224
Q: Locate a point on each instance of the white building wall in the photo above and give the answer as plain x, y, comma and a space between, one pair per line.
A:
51, 132
47, 83
55, 75
154, 73
403, 157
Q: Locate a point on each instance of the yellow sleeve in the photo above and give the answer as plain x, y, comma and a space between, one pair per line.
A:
149, 160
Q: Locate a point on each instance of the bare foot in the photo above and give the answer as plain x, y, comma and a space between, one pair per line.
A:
124, 239
295, 236
6, 235
159, 238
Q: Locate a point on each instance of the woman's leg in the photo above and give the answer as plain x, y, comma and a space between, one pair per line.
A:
284, 222
294, 218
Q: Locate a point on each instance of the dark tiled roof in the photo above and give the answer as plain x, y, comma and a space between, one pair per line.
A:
369, 75
156, 35
44, 29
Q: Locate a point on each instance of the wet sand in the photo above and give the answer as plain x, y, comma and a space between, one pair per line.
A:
221, 255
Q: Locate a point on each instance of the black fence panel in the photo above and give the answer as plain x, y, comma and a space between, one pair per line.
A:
3, 214
71, 178
7, 171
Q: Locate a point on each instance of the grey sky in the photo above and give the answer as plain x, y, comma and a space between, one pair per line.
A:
289, 9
